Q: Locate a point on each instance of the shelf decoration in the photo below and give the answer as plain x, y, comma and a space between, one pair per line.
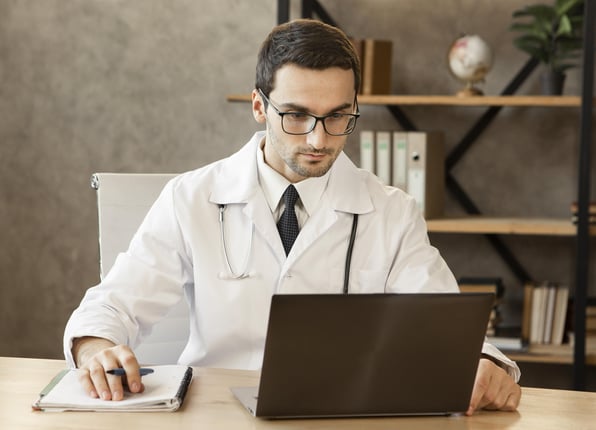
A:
553, 35
470, 59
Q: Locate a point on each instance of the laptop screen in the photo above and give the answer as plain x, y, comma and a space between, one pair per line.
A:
371, 354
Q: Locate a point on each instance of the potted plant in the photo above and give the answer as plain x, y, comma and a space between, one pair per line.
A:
551, 34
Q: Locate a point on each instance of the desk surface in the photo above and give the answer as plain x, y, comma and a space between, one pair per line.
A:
210, 405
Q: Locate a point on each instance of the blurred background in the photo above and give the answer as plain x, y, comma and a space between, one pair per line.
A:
140, 86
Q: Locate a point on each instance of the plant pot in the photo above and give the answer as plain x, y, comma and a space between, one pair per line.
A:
552, 82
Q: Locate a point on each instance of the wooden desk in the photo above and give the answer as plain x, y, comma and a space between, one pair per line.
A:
210, 405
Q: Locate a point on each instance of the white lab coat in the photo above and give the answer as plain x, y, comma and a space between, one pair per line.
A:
178, 251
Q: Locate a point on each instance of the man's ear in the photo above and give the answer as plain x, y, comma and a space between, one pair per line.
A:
258, 107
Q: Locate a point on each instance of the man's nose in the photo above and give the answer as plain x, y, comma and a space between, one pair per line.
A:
317, 138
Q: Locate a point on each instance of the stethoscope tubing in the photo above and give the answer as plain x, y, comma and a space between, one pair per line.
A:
232, 275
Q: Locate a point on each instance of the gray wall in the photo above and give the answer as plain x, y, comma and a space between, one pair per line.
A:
140, 86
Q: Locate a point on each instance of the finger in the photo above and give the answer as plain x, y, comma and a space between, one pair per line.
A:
98, 378
86, 382
481, 385
477, 396
116, 387
513, 400
133, 376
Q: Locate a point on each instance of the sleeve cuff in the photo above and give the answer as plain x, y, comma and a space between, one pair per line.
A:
492, 353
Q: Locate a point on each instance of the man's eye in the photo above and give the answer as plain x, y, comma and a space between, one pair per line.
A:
297, 116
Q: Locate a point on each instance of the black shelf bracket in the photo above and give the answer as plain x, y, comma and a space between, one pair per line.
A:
312, 8
459, 151
582, 270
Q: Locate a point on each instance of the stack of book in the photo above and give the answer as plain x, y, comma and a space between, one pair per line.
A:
544, 313
375, 63
591, 212
591, 328
413, 161
486, 285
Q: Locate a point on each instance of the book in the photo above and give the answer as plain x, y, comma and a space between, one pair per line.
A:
400, 160
574, 207
527, 311
376, 66
358, 45
485, 285
367, 150
560, 315
383, 156
549, 313
165, 389
507, 343
482, 285
537, 321
545, 313
426, 172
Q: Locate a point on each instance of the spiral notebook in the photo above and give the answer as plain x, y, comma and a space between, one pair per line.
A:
165, 390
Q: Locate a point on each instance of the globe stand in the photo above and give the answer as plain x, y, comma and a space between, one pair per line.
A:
469, 91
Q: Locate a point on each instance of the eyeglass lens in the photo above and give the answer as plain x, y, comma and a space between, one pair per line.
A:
303, 123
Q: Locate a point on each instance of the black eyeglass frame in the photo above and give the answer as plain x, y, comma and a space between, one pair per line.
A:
351, 122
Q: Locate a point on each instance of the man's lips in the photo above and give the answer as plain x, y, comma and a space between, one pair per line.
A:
315, 155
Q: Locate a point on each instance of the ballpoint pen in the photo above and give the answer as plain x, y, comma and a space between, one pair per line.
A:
121, 372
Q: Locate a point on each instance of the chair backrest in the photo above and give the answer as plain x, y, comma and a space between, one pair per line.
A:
123, 200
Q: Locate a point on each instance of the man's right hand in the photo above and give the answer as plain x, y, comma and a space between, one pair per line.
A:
94, 356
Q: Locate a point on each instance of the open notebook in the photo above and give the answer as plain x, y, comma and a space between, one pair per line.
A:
164, 391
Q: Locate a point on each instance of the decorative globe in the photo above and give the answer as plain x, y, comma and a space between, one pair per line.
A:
470, 59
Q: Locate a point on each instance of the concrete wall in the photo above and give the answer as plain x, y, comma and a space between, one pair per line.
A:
140, 86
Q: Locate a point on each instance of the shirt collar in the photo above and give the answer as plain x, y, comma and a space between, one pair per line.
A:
274, 185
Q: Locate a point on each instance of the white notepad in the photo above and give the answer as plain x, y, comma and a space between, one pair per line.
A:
164, 391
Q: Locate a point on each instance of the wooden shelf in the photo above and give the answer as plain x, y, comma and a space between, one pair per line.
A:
561, 354
486, 225
442, 100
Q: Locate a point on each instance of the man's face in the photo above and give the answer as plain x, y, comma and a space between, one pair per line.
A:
318, 92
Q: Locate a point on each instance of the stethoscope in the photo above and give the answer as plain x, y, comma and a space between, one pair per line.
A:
233, 275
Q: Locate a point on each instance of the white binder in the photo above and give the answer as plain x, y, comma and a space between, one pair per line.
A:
426, 172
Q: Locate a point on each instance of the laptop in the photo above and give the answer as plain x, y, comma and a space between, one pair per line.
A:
332, 355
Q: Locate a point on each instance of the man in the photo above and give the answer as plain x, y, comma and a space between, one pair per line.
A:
212, 233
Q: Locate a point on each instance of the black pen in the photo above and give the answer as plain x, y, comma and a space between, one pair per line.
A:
121, 372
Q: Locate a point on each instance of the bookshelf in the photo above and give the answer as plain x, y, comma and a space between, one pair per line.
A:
488, 225
550, 354
577, 356
443, 100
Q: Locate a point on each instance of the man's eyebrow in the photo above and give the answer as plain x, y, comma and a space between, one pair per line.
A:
294, 107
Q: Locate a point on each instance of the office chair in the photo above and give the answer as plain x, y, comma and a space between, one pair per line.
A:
123, 200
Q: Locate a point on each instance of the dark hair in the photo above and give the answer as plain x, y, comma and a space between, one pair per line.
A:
305, 43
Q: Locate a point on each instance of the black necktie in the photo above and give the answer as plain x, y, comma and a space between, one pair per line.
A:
288, 223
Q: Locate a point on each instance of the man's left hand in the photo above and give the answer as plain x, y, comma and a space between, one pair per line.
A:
493, 389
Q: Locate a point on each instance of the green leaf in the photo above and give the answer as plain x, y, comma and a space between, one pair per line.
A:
562, 7
564, 26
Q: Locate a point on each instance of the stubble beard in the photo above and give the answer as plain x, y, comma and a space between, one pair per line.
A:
306, 169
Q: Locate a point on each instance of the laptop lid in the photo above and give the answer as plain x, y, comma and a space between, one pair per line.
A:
370, 354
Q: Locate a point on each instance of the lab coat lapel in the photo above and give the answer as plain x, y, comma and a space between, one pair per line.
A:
239, 183
346, 192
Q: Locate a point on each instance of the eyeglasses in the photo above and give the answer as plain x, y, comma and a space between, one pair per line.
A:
334, 124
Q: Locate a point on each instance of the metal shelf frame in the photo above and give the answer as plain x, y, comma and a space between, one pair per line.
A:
313, 8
